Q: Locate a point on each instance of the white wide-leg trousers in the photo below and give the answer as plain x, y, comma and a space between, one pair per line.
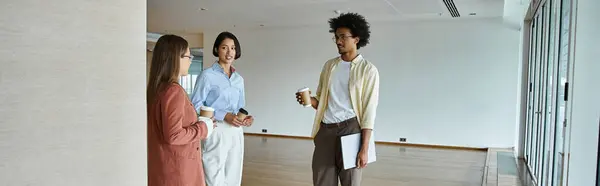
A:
223, 156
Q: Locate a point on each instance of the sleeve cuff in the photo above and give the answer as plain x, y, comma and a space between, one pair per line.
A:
366, 125
209, 125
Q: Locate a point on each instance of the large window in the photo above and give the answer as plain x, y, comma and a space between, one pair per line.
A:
189, 82
545, 131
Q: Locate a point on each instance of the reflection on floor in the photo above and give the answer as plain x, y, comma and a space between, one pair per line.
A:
273, 161
524, 174
502, 168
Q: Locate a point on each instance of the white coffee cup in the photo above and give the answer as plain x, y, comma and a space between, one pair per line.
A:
208, 112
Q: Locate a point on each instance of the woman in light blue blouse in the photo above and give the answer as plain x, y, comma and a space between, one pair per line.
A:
222, 88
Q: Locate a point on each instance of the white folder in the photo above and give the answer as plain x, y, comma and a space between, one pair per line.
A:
350, 145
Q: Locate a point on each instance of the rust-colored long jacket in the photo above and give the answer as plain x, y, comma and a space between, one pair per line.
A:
174, 134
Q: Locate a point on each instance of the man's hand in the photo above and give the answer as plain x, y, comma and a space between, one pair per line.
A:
313, 100
233, 120
363, 154
362, 159
248, 121
299, 97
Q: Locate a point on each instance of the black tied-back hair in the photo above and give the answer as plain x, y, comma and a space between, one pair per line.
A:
222, 36
358, 25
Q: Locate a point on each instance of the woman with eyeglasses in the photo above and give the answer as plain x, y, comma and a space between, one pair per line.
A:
173, 130
222, 88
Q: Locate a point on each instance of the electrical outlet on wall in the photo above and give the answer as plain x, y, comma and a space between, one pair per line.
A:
264, 130
402, 139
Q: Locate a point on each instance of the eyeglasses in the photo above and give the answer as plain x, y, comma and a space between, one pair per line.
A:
335, 38
191, 57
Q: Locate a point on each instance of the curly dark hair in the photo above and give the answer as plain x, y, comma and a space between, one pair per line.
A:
358, 25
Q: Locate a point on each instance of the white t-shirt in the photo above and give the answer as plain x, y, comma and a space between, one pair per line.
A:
339, 106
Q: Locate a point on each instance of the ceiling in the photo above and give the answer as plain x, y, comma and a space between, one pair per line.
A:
193, 16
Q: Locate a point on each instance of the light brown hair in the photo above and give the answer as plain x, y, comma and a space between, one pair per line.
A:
164, 67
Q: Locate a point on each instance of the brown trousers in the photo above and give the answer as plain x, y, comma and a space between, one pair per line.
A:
327, 164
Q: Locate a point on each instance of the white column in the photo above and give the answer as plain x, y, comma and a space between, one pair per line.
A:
72, 92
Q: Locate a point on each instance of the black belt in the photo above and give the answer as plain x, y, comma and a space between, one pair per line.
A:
340, 124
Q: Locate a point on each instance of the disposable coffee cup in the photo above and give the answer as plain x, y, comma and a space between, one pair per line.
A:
305, 96
207, 111
242, 113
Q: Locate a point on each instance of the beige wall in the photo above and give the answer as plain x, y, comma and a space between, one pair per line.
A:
194, 40
149, 48
440, 74
72, 93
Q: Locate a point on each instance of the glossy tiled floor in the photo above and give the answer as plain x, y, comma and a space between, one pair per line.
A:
503, 169
272, 161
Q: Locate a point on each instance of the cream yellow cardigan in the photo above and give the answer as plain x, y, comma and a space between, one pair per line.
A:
363, 86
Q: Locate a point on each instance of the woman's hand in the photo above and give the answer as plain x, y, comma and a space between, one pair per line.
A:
248, 121
233, 120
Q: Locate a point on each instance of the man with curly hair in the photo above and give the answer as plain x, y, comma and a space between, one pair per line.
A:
346, 101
